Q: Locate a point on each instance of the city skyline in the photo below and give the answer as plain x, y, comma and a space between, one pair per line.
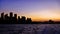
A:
14, 19
37, 10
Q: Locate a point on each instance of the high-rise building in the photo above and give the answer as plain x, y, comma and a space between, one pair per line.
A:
29, 20
6, 17
15, 16
2, 15
23, 19
18, 17
19, 21
11, 14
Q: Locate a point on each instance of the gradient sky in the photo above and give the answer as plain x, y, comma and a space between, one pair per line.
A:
38, 10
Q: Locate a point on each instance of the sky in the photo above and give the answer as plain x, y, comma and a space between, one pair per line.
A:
37, 10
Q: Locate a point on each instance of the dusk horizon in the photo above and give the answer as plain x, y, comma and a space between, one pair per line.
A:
36, 20
29, 16
37, 10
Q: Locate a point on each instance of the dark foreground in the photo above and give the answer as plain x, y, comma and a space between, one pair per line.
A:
29, 28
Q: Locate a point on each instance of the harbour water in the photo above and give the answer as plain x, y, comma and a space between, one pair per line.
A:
29, 28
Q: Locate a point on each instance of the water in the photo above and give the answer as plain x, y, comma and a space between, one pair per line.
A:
29, 28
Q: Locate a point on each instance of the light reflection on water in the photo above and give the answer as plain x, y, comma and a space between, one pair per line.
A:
30, 28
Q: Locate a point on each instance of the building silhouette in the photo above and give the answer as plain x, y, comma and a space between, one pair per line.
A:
15, 16
50, 21
19, 20
6, 16
2, 15
5, 19
11, 14
29, 20
23, 19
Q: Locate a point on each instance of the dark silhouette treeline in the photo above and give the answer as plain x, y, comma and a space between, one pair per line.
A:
5, 19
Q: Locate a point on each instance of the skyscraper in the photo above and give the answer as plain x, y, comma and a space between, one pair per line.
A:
11, 14
6, 16
29, 20
18, 17
15, 16
19, 20
2, 15
23, 19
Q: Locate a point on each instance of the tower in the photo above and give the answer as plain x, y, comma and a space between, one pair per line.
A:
19, 20
15, 16
29, 20
11, 14
2, 15
6, 16
23, 19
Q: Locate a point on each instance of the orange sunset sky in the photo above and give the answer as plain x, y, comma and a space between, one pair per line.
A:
37, 10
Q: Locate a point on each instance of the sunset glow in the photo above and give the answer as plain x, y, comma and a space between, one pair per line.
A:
37, 10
